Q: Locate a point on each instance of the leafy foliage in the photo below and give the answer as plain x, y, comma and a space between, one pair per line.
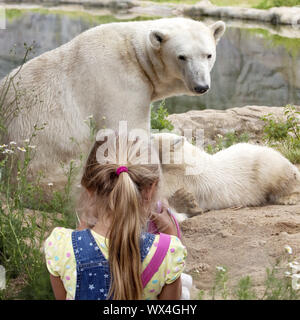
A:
159, 119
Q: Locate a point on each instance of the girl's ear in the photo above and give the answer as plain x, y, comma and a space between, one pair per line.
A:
90, 193
149, 192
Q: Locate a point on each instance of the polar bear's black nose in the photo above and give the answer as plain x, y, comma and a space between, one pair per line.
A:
201, 89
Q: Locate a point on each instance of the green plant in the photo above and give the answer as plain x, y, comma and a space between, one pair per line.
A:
223, 142
244, 290
158, 118
284, 134
266, 4
23, 230
279, 283
220, 285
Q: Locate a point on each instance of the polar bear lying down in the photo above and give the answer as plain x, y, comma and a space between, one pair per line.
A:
242, 175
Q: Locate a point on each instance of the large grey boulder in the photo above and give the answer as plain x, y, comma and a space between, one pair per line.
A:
214, 122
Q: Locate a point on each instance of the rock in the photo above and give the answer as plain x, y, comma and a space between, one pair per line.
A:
214, 122
254, 246
280, 15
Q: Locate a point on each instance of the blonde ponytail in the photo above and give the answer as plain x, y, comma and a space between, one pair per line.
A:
124, 254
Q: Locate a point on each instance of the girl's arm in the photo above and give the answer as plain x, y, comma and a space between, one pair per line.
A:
171, 291
58, 288
164, 222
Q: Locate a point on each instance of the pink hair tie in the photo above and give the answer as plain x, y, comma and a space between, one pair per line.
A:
121, 169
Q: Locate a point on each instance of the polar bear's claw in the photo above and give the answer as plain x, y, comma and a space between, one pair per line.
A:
290, 199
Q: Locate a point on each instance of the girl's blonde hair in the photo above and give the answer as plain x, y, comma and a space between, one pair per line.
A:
119, 199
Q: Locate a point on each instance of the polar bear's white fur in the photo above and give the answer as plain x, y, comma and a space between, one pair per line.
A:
242, 175
114, 71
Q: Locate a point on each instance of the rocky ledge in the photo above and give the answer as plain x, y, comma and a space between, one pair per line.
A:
219, 122
278, 15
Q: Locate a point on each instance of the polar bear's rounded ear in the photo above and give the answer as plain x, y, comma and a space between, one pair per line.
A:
218, 29
157, 38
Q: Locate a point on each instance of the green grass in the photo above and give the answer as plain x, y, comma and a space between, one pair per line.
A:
284, 134
224, 142
92, 19
266, 4
291, 45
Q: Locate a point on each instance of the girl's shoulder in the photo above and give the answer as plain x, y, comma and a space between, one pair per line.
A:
57, 248
175, 243
58, 234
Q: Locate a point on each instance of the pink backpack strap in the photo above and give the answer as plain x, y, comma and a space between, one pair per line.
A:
177, 225
157, 259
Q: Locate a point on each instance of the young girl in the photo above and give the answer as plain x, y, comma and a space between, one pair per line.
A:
107, 258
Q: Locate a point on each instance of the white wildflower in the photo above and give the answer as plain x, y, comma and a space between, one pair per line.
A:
50, 184
295, 280
103, 118
287, 273
12, 143
21, 149
3, 146
31, 147
26, 140
220, 268
8, 151
288, 249
295, 268
90, 116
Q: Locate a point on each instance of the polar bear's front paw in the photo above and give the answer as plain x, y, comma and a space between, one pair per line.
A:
184, 201
291, 199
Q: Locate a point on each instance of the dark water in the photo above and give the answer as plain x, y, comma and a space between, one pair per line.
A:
253, 66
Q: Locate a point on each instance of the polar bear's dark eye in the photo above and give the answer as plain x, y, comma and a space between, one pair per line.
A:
181, 57
209, 56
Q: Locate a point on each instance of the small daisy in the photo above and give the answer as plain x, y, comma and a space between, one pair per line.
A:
21, 149
8, 151
12, 143
50, 184
219, 268
288, 249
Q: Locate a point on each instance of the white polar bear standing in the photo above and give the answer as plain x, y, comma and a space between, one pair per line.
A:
242, 175
114, 70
